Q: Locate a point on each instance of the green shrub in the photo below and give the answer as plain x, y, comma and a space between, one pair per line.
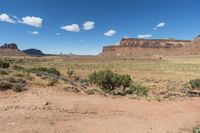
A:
90, 91
70, 72
195, 84
51, 82
4, 85
19, 87
125, 81
3, 72
46, 70
18, 68
137, 89
4, 64
18, 74
108, 80
76, 78
14, 80
17, 84
196, 129
93, 78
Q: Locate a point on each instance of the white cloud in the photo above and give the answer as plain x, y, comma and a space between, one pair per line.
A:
34, 32
159, 25
144, 36
58, 34
71, 28
89, 25
32, 21
110, 33
6, 18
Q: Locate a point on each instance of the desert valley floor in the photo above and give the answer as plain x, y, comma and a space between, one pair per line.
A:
51, 108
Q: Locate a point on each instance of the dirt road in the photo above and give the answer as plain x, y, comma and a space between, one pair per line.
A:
48, 110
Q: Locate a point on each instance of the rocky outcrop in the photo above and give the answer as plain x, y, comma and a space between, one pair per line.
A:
130, 47
10, 50
9, 46
154, 43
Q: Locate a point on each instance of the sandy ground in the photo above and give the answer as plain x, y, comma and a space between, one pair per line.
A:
48, 110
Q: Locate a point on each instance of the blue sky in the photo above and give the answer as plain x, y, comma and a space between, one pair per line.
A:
85, 26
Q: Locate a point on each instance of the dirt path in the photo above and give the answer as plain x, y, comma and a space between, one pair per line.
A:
49, 110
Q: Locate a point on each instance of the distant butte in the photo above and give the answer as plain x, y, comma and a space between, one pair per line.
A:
10, 50
9, 46
131, 47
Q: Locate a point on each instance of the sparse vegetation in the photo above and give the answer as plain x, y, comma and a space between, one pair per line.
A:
106, 79
46, 70
4, 64
90, 91
109, 81
195, 84
3, 72
18, 68
51, 82
17, 84
5, 85
137, 89
196, 129
70, 72
117, 80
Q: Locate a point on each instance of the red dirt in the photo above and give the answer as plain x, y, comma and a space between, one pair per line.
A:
43, 110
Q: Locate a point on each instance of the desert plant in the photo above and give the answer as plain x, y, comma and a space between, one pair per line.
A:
51, 82
137, 89
90, 91
4, 64
106, 79
196, 129
3, 72
70, 72
5, 85
195, 84
18, 87
125, 81
18, 74
76, 78
18, 68
46, 70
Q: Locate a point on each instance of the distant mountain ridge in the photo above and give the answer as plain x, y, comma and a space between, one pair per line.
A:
34, 52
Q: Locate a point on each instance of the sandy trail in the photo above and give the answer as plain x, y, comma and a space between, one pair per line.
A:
29, 112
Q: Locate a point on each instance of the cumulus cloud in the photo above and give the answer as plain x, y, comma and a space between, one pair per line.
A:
110, 33
144, 36
89, 25
159, 25
32, 21
6, 18
71, 28
34, 32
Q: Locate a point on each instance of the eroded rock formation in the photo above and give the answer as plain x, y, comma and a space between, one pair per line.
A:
145, 47
9, 46
10, 50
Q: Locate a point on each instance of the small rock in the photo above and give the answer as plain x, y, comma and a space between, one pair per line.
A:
46, 103
4, 109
